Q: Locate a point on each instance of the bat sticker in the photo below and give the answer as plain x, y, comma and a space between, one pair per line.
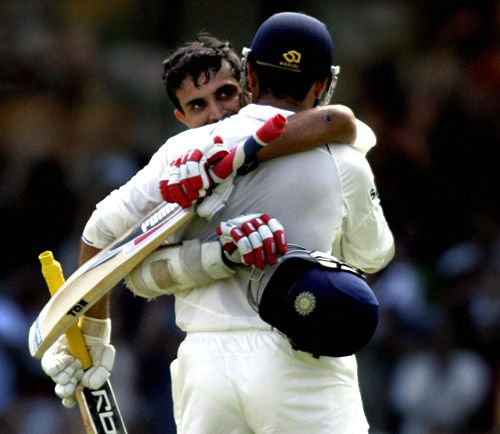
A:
128, 245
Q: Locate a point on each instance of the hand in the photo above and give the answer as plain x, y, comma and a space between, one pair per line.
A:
66, 371
192, 176
253, 239
188, 179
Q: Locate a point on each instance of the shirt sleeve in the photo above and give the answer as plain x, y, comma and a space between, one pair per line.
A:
365, 239
365, 137
123, 207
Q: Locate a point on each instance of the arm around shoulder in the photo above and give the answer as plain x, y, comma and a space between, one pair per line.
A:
339, 122
311, 128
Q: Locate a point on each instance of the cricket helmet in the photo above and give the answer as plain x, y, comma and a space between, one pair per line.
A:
323, 305
293, 42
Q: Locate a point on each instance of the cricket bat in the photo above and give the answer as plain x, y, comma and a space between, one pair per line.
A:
100, 412
89, 283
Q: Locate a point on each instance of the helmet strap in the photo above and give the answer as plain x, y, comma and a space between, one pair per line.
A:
245, 96
327, 96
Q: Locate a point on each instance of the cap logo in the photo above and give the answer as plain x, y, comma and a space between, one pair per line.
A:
292, 56
292, 59
305, 303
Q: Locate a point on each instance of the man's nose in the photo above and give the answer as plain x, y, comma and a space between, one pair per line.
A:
215, 112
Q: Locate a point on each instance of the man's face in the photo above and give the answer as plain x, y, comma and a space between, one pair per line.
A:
212, 101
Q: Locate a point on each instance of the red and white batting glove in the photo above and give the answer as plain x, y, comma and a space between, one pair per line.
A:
192, 176
187, 179
253, 240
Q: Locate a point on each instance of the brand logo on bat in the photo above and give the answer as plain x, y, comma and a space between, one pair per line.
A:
158, 216
77, 307
105, 410
127, 245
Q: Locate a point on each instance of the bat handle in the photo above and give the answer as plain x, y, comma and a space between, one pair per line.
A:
242, 156
53, 274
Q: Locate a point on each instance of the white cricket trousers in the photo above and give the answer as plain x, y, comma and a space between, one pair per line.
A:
253, 382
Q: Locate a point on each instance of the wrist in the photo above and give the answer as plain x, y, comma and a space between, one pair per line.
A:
96, 327
174, 269
248, 166
215, 263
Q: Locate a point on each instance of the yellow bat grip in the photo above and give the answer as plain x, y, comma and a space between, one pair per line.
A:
53, 274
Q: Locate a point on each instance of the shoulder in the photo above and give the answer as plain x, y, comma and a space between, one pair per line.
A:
365, 137
190, 134
233, 129
352, 165
184, 141
348, 155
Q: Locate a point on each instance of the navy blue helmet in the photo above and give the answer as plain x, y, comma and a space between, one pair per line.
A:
323, 305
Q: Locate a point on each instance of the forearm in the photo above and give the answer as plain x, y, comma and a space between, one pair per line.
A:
101, 308
173, 269
309, 129
115, 214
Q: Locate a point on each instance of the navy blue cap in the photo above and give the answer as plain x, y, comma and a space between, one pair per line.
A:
293, 42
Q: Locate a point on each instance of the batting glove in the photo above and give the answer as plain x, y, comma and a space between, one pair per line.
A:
66, 371
192, 176
188, 179
253, 240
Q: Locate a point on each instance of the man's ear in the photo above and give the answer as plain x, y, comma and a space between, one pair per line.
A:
180, 117
251, 79
319, 87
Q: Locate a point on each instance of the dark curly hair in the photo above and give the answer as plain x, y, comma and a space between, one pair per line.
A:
203, 55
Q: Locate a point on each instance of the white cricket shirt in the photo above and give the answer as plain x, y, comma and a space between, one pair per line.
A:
323, 197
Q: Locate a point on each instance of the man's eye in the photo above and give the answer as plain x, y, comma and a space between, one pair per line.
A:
227, 92
196, 105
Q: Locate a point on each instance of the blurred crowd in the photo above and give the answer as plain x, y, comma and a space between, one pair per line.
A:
82, 108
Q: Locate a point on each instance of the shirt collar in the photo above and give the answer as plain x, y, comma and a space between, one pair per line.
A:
263, 112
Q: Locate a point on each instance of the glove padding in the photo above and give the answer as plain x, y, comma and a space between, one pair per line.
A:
66, 371
216, 202
187, 179
253, 240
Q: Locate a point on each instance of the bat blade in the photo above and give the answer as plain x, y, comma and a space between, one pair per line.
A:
99, 410
103, 415
89, 283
